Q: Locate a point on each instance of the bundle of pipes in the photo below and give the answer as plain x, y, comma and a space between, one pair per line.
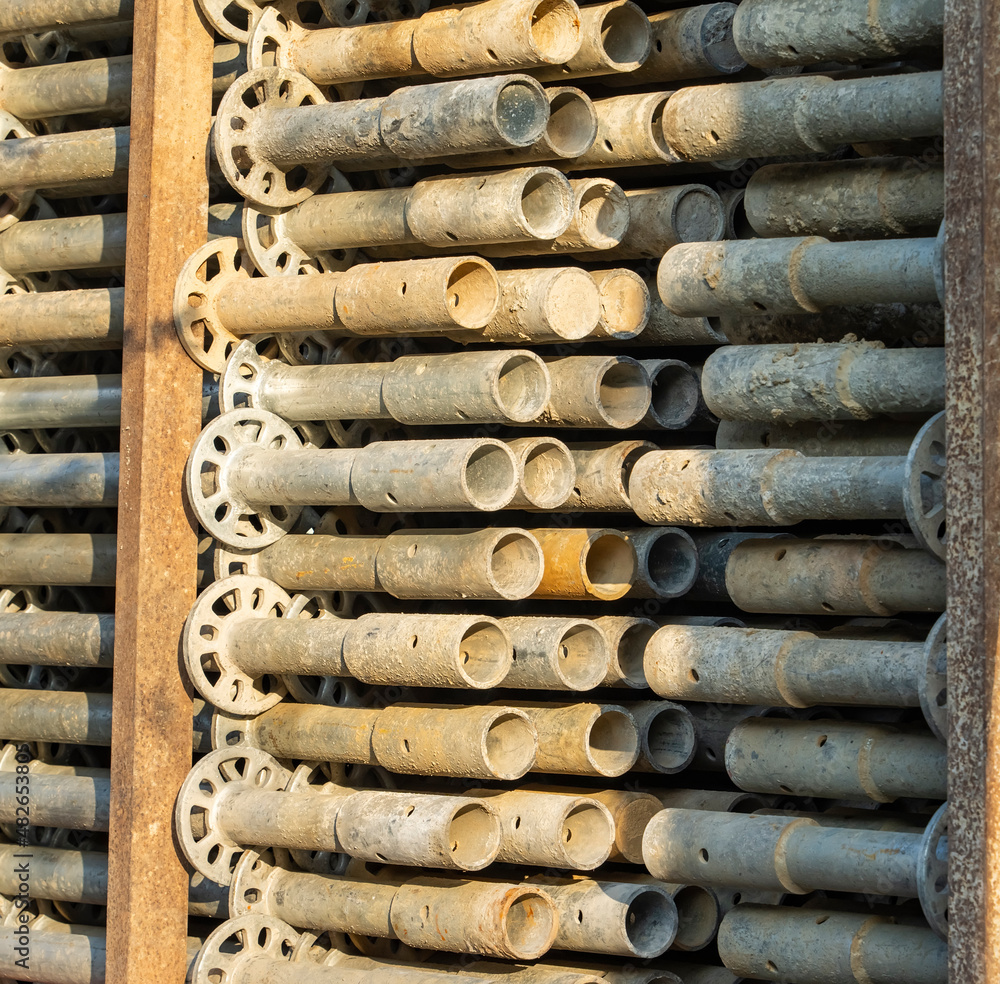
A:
453, 633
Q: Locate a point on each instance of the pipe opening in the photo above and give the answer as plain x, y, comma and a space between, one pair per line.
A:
672, 563
670, 740
555, 30
697, 918
547, 474
490, 477
624, 304
484, 655
473, 294
516, 565
717, 41
473, 837
740, 226
625, 37
632, 652
650, 923
602, 215
587, 837
656, 129
613, 743
529, 925
572, 126
610, 566
582, 657
699, 216
522, 386
521, 113
545, 202
624, 393
572, 305
675, 394
510, 746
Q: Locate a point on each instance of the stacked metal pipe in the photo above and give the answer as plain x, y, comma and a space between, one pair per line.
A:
571, 485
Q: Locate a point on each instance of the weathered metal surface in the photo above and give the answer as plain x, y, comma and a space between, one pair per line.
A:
780, 488
826, 381
853, 576
857, 761
795, 275
836, 439
796, 855
276, 121
795, 669
482, 39
813, 945
249, 804
799, 115
71, 802
855, 199
773, 33
31, 16
581, 564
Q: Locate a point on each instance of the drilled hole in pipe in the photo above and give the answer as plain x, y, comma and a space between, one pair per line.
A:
547, 474
515, 565
529, 924
490, 474
473, 837
572, 125
624, 394
521, 387
610, 566
483, 654
587, 837
624, 36
544, 200
670, 740
698, 917
521, 113
510, 746
472, 294
672, 563
554, 30
613, 743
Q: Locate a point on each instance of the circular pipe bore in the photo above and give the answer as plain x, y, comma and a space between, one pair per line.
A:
612, 743
587, 836
582, 657
529, 924
522, 387
546, 205
516, 566
572, 126
521, 111
609, 566
510, 746
675, 394
631, 652
697, 918
650, 923
625, 37
602, 214
555, 30
671, 562
547, 474
484, 655
624, 394
473, 837
473, 294
490, 477
670, 742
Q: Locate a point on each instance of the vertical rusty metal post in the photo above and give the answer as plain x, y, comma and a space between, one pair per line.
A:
972, 196
161, 410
